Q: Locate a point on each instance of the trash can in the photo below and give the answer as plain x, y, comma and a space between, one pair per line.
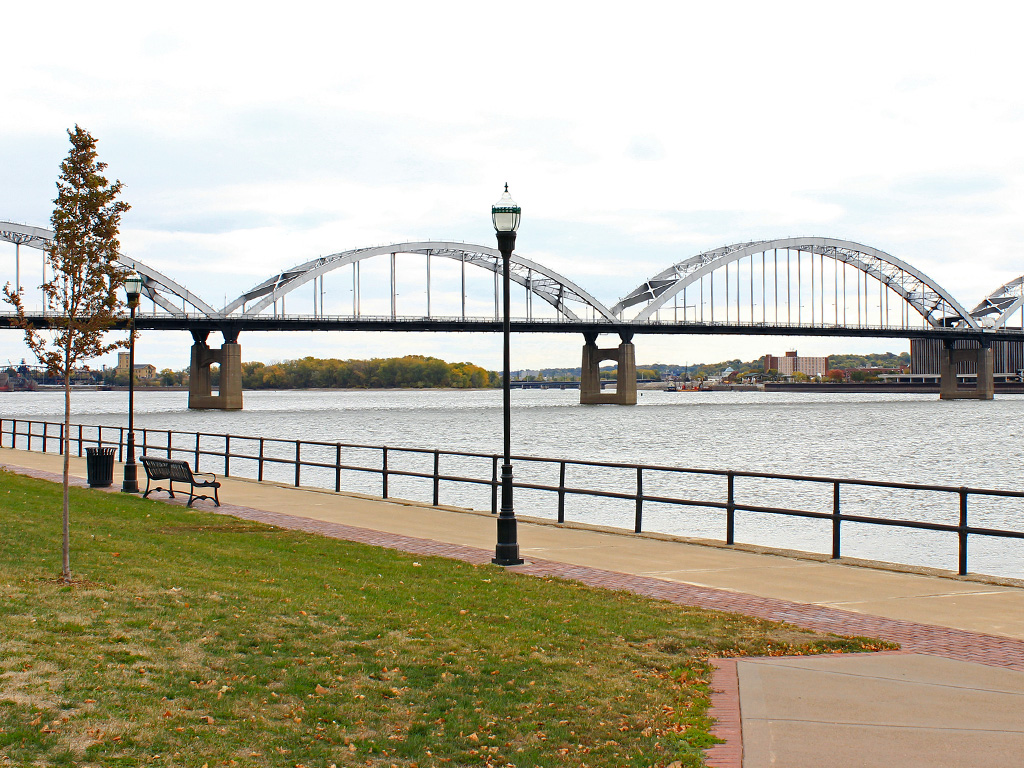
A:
99, 467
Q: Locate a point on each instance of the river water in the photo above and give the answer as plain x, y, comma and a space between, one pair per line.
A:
900, 437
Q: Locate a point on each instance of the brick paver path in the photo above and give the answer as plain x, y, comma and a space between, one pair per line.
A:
912, 637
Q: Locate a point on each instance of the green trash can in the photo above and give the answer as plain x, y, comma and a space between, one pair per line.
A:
99, 467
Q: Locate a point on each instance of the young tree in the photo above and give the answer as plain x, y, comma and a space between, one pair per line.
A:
82, 299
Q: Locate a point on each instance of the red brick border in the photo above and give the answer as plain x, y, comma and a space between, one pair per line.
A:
913, 637
725, 708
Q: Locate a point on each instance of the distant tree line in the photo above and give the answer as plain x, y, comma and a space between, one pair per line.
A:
413, 371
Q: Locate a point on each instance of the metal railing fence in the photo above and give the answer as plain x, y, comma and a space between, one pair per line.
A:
224, 453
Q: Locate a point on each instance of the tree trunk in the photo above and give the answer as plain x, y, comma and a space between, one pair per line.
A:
66, 550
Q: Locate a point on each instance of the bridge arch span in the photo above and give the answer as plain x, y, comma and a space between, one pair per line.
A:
995, 310
935, 304
156, 286
555, 289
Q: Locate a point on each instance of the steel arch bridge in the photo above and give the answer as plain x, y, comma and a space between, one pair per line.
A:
555, 289
789, 288
787, 291
569, 300
936, 306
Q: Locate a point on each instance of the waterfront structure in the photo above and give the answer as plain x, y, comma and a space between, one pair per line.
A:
796, 286
792, 363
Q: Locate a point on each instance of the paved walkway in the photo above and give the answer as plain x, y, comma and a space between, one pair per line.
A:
954, 695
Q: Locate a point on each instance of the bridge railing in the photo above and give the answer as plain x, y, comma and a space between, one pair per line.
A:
321, 464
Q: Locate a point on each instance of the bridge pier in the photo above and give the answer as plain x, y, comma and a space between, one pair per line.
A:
229, 357
625, 379
949, 385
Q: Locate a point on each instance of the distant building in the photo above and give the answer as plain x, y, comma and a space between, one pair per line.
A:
793, 363
142, 370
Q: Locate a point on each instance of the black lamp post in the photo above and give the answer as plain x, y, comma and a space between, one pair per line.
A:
505, 215
132, 287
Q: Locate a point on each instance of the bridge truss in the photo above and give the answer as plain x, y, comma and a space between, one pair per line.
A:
157, 287
570, 301
812, 282
998, 307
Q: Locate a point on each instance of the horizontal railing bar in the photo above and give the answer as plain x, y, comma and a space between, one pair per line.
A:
30, 427
823, 479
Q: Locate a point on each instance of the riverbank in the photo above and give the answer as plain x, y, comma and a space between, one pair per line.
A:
868, 709
208, 648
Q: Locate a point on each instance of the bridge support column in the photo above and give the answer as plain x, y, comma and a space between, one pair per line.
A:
949, 385
229, 357
624, 357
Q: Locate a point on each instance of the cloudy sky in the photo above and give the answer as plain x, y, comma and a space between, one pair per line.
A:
251, 137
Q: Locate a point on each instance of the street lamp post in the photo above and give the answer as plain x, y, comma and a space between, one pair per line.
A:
132, 287
505, 215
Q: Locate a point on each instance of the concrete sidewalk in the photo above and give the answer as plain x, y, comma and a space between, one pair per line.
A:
954, 697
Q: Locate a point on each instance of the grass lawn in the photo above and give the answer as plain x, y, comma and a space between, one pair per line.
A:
195, 639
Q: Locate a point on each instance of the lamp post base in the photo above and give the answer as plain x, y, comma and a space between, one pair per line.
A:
506, 551
131, 478
131, 469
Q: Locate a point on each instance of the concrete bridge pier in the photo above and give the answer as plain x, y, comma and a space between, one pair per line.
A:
229, 357
950, 357
625, 380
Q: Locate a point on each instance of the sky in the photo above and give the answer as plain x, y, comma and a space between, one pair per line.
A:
251, 138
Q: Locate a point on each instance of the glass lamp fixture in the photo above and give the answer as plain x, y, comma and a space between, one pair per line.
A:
505, 213
133, 287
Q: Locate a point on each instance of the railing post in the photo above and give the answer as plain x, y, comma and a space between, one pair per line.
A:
79, 439
962, 533
145, 441
227, 455
337, 468
835, 521
384, 472
494, 485
14, 433
62, 446
120, 444
170, 441
197, 452
298, 461
259, 471
638, 522
561, 491
437, 477
45, 425
730, 510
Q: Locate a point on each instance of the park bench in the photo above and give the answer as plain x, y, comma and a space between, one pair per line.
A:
177, 471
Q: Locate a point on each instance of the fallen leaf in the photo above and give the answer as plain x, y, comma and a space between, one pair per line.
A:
37, 721
473, 737
89, 701
320, 689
